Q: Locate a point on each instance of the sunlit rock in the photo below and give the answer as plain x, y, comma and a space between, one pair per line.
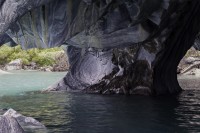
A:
14, 65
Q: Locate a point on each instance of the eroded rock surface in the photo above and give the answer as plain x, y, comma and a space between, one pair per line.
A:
9, 124
25, 122
114, 46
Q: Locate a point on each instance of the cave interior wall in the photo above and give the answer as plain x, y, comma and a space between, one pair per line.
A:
114, 47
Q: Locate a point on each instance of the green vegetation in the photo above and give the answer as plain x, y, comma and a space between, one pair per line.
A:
42, 57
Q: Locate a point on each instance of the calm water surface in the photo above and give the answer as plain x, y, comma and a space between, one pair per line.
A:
83, 113
19, 82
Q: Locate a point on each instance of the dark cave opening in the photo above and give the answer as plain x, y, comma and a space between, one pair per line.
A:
181, 37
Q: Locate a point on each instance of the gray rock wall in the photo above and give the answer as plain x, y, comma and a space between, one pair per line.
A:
99, 24
135, 43
99, 27
88, 67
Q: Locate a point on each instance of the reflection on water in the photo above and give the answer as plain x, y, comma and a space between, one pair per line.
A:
82, 113
189, 82
189, 110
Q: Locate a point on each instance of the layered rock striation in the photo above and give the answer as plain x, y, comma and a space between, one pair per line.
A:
114, 46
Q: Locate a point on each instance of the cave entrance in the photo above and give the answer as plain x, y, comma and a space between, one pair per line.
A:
29, 70
189, 69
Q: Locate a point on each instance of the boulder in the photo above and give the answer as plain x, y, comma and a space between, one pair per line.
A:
46, 69
25, 122
8, 124
14, 65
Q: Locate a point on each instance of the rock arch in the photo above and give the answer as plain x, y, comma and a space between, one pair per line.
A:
114, 46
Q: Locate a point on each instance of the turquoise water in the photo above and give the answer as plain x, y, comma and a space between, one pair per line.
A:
87, 113
22, 81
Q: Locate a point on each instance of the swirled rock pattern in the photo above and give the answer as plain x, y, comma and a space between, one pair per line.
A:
99, 24
114, 46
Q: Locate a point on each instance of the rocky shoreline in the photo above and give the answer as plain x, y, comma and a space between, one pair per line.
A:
60, 65
190, 64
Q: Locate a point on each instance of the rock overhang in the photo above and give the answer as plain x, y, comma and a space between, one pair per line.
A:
107, 26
